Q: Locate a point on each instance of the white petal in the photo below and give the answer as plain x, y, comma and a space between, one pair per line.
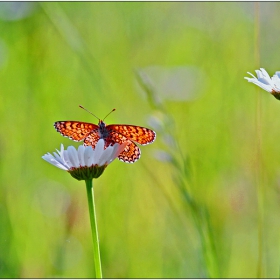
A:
262, 85
259, 74
61, 150
88, 156
49, 158
117, 150
106, 155
65, 158
62, 153
263, 77
265, 74
99, 149
59, 159
251, 75
113, 152
81, 155
276, 81
73, 156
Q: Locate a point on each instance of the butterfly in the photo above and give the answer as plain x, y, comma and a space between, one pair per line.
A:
114, 133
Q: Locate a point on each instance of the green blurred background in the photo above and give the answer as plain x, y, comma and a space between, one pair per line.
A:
203, 200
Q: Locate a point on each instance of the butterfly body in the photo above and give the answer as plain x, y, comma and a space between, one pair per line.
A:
90, 133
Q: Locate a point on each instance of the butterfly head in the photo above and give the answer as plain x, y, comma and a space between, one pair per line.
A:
102, 129
101, 124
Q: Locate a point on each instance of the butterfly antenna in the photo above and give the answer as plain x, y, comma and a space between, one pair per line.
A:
88, 111
109, 114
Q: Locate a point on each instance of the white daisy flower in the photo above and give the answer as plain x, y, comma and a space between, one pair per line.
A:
264, 81
85, 163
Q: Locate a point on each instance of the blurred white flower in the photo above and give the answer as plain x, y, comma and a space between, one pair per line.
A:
177, 83
162, 156
85, 163
16, 10
264, 81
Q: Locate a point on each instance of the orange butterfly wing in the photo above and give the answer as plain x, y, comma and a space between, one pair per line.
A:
131, 152
141, 135
92, 139
75, 130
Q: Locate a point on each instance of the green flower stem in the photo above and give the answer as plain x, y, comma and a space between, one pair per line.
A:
96, 251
